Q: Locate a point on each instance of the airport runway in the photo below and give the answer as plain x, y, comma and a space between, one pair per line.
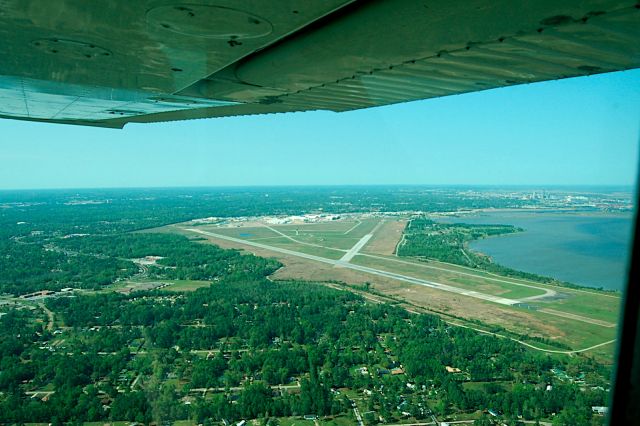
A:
365, 269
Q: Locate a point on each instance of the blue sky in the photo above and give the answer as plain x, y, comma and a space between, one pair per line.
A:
582, 131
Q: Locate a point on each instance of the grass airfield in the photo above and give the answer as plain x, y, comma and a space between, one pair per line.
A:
554, 319
337, 236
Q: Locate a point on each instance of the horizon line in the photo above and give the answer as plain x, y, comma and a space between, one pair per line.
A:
540, 186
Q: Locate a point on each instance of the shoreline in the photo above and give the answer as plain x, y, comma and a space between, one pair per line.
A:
523, 214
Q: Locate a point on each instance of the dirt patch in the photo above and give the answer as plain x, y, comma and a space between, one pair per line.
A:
471, 309
386, 238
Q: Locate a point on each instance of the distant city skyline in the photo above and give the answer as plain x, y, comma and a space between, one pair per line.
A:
574, 132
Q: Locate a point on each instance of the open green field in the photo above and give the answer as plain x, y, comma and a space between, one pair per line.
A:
594, 304
336, 241
282, 242
478, 283
601, 307
333, 240
295, 421
314, 245
578, 334
339, 235
351, 228
354, 227
575, 334
186, 285
335, 234
249, 233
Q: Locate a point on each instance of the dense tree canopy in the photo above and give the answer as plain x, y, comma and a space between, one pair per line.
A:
247, 337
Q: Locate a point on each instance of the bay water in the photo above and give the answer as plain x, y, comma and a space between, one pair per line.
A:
588, 249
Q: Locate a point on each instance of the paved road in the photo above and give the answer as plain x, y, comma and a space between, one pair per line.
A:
355, 249
548, 293
365, 269
51, 318
551, 351
357, 413
135, 382
358, 246
578, 317
353, 227
204, 391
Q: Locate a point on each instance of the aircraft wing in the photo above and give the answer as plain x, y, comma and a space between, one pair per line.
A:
108, 63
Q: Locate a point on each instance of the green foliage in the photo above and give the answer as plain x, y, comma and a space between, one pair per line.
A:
182, 259
28, 267
446, 242
264, 349
34, 226
425, 238
93, 261
256, 334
